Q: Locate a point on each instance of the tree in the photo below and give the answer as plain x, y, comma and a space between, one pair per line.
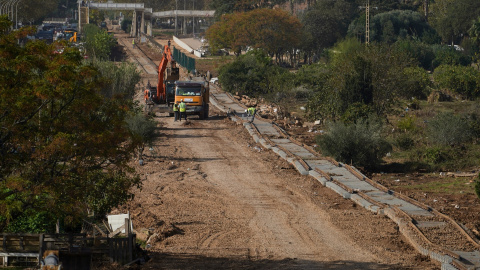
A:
372, 75
326, 23
64, 147
453, 19
272, 30
98, 42
246, 74
395, 25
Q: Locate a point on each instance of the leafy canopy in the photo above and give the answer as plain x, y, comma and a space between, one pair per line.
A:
272, 30
64, 146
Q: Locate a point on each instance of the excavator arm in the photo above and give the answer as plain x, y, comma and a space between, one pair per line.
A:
167, 58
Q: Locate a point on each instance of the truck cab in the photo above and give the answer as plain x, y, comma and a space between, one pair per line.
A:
196, 96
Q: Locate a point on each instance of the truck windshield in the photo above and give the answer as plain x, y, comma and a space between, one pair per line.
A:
188, 91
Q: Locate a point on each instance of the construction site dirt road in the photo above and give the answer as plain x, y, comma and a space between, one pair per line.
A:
214, 199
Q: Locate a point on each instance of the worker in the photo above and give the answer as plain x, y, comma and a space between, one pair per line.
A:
148, 95
175, 111
183, 110
133, 43
251, 112
169, 43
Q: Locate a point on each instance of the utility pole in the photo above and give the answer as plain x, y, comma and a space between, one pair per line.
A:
367, 22
176, 16
193, 20
425, 9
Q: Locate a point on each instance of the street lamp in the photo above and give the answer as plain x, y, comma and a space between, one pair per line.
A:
176, 16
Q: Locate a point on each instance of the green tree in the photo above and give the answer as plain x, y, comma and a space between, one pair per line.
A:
326, 23
98, 42
372, 75
64, 146
395, 25
246, 74
121, 78
272, 30
462, 80
453, 19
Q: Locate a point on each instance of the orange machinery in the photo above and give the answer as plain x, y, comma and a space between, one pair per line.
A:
164, 92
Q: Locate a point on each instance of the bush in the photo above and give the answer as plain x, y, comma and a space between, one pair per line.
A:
446, 55
448, 129
404, 141
31, 221
462, 80
142, 130
407, 123
417, 83
360, 144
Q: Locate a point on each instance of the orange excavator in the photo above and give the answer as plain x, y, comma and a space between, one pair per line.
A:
161, 97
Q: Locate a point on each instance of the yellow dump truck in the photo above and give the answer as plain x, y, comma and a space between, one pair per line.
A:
195, 93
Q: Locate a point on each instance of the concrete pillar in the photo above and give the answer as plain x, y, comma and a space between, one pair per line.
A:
142, 24
83, 15
184, 25
133, 32
149, 27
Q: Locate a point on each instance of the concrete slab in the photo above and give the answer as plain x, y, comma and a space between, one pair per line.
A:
266, 128
430, 224
295, 149
405, 206
473, 257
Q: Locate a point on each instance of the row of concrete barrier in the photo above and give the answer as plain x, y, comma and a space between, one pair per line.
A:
448, 261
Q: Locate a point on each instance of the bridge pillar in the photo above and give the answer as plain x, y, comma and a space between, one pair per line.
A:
133, 31
149, 27
83, 15
142, 24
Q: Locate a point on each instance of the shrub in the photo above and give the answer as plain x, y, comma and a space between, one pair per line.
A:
360, 144
416, 84
404, 141
462, 80
446, 55
33, 222
448, 129
142, 130
407, 123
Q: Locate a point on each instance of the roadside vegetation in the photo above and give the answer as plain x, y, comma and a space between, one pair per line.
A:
406, 102
68, 129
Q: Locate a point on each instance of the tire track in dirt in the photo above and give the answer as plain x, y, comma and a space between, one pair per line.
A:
281, 229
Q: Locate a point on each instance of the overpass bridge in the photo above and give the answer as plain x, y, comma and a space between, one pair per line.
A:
142, 17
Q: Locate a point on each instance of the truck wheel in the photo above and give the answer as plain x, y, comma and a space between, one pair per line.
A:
200, 115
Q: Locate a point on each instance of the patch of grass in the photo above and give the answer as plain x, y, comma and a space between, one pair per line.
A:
142, 243
449, 185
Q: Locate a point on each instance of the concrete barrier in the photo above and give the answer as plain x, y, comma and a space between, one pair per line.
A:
366, 204
338, 190
182, 44
318, 177
300, 167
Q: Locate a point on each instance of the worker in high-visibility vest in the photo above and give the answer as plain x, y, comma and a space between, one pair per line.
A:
251, 112
183, 110
175, 111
